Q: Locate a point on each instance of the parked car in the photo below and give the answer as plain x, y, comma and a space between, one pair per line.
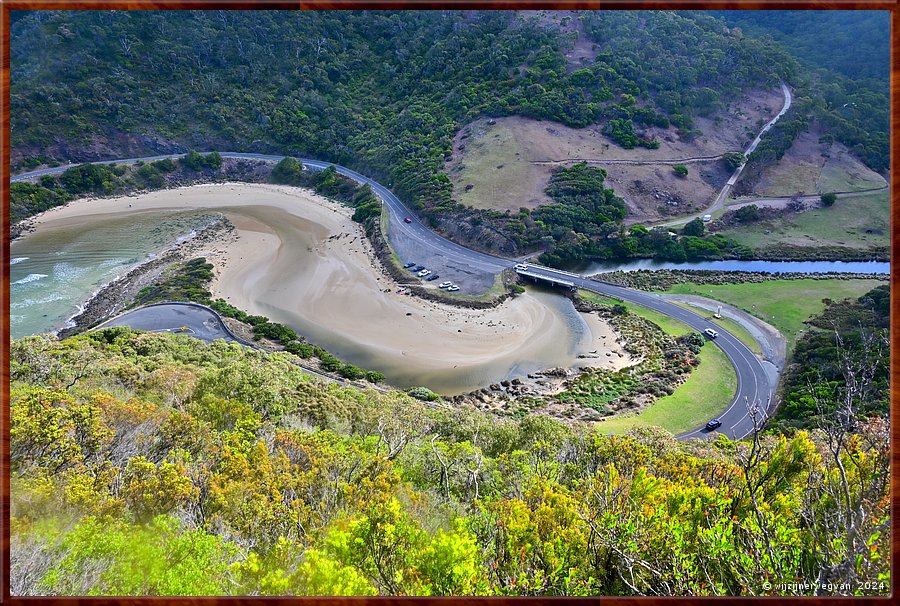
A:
410, 264
433, 277
407, 220
445, 284
423, 273
418, 268
709, 332
707, 218
714, 424
453, 287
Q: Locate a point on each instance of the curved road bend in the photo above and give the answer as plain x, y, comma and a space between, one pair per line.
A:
753, 383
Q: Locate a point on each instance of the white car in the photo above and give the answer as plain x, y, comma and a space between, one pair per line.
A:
445, 284
522, 266
711, 333
707, 218
423, 273
453, 287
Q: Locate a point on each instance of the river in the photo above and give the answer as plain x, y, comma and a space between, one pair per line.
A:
819, 267
296, 262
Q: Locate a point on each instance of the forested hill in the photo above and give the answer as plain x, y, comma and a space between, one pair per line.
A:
858, 42
846, 60
382, 92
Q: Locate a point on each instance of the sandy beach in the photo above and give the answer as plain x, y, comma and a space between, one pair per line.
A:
299, 259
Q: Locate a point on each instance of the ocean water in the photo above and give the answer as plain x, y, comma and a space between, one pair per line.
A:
55, 270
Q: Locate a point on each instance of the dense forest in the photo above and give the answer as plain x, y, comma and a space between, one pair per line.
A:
380, 92
851, 340
155, 464
384, 93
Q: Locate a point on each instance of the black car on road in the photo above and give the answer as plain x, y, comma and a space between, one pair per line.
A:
714, 424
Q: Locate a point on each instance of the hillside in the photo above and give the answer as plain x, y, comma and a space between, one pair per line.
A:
154, 464
383, 93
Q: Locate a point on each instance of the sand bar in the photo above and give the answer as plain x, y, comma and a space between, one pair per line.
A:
300, 259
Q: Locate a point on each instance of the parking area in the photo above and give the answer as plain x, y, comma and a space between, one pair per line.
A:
409, 249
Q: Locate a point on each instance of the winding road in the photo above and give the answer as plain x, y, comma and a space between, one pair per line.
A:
719, 201
756, 382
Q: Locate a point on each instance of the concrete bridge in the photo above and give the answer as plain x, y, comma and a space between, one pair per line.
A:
552, 280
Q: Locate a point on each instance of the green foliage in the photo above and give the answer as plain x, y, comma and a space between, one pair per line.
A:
422, 393
828, 199
680, 169
160, 559
853, 340
733, 160
621, 130
28, 199
273, 331
383, 93
695, 227
184, 282
390, 496
586, 222
198, 162
781, 136
166, 165
853, 86
747, 214
149, 176
90, 178
288, 172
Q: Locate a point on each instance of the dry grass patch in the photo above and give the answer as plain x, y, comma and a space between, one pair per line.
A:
496, 164
811, 167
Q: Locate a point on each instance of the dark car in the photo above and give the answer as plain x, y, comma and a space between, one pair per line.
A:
433, 277
410, 264
407, 220
714, 424
418, 268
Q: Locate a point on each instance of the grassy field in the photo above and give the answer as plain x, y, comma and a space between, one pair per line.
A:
707, 392
497, 167
845, 224
842, 172
811, 167
785, 304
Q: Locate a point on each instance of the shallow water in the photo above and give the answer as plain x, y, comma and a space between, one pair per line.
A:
56, 269
567, 324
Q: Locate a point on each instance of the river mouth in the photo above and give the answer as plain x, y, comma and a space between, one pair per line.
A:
300, 260
56, 268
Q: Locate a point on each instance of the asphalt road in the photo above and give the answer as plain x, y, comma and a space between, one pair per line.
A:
754, 391
186, 319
